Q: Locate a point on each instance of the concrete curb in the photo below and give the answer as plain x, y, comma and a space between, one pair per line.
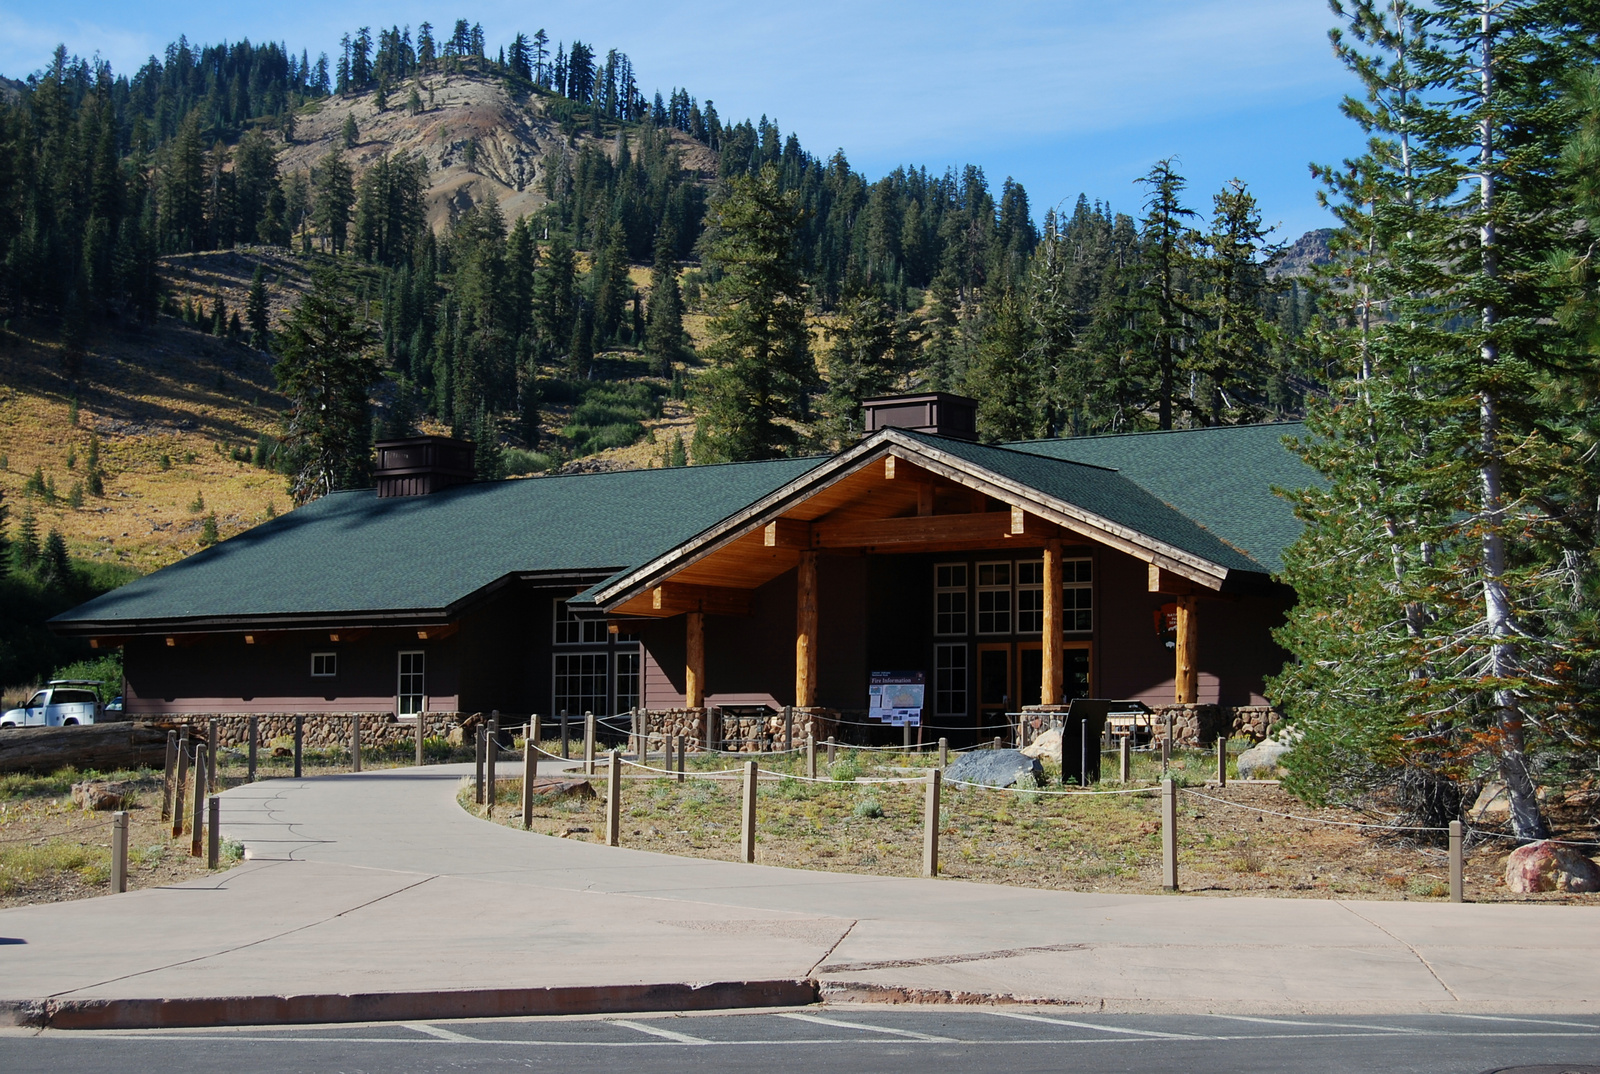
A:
208, 1011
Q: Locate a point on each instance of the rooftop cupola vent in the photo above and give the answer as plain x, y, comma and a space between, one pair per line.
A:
419, 465
939, 413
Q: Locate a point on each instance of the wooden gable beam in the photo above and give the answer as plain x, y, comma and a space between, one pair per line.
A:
924, 529
674, 598
787, 533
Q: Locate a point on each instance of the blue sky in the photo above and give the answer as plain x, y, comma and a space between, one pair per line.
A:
1067, 96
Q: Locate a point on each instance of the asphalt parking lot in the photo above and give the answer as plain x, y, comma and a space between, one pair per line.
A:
848, 1039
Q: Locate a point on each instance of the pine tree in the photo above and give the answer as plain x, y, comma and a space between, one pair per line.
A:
1233, 353
1168, 249
54, 564
349, 132
869, 354
334, 196
754, 398
1451, 637
1002, 376
327, 370
257, 311
25, 551
665, 341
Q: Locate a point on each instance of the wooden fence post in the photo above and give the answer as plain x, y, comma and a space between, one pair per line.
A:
491, 759
832, 748
811, 756
683, 748
166, 780
180, 787
614, 799
564, 736
530, 772
905, 743
211, 755
1222, 760
788, 728
1125, 757
213, 831
355, 743
254, 732
1169, 835
930, 826
747, 833
299, 743
944, 753
119, 852
477, 765
1458, 877
588, 743
422, 720
197, 826
996, 742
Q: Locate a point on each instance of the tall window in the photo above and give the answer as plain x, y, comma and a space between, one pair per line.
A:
950, 598
412, 685
1030, 596
580, 683
950, 680
994, 598
1077, 596
627, 680
570, 630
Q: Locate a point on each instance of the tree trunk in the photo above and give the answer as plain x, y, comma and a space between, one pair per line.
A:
105, 746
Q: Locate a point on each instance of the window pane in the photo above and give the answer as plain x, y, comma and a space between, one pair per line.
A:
324, 665
580, 683
950, 680
994, 611
411, 687
950, 576
950, 613
627, 681
1030, 611
1030, 572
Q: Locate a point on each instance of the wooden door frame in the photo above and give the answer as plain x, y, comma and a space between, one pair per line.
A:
1086, 644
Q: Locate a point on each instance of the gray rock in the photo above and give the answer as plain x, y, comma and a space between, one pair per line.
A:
100, 794
997, 768
1261, 760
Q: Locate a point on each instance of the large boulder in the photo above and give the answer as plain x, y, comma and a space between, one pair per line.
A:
1550, 866
996, 768
100, 794
1261, 761
1048, 744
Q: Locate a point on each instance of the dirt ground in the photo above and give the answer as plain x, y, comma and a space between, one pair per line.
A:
1232, 842
52, 851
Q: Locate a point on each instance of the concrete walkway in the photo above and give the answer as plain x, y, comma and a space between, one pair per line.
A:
378, 885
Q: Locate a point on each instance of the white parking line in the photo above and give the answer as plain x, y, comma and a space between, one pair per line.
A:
1399, 1030
839, 1023
1092, 1025
656, 1031
443, 1034
1521, 1021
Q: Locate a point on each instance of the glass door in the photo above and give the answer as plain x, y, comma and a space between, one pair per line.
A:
994, 688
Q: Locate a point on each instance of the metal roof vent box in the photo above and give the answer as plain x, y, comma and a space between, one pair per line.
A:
419, 465
939, 413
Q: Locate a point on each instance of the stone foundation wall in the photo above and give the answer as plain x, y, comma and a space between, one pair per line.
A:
322, 730
739, 734
1254, 722
1193, 726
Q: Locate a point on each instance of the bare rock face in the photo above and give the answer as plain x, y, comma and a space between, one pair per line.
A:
100, 794
1261, 761
1550, 866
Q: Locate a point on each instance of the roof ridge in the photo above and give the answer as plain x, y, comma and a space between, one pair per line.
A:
1013, 451
1157, 432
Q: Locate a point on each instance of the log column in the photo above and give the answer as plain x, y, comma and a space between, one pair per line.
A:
1187, 677
1050, 687
805, 633
694, 676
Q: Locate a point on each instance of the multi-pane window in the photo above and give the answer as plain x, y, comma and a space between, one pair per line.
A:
580, 683
411, 687
570, 630
1077, 595
994, 598
1030, 596
324, 665
950, 680
627, 680
950, 598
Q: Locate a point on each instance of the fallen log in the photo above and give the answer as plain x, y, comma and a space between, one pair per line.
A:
104, 747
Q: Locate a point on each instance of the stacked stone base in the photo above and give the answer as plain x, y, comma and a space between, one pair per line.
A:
717, 729
1193, 726
322, 730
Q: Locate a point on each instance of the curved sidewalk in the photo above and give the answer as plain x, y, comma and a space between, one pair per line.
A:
378, 885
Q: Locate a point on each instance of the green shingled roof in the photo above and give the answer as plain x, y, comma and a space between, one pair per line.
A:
354, 552
1099, 490
1221, 477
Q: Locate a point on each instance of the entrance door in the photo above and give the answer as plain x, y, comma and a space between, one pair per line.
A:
1030, 673
994, 688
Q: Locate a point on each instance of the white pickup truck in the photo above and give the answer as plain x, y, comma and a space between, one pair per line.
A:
62, 703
